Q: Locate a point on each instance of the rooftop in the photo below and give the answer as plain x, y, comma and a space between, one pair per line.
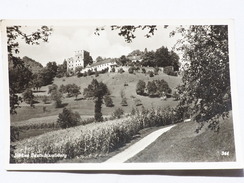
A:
103, 62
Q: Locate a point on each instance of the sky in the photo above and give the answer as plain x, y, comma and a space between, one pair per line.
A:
65, 40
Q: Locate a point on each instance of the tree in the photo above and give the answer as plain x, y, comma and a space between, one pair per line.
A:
131, 70
118, 113
148, 59
140, 87
150, 73
123, 60
162, 57
151, 88
205, 49
57, 96
99, 59
19, 76
37, 81
162, 87
62, 70
121, 70
13, 34
52, 88
68, 119
73, 90
206, 82
174, 58
108, 101
78, 69
28, 96
49, 72
97, 91
124, 102
156, 70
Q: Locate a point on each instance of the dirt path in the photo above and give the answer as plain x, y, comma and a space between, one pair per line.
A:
137, 147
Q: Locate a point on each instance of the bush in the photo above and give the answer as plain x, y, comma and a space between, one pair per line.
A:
137, 102
52, 88
28, 96
156, 70
150, 73
113, 69
56, 96
79, 74
68, 119
118, 113
124, 102
169, 70
143, 70
96, 73
108, 101
140, 87
45, 99
121, 71
131, 70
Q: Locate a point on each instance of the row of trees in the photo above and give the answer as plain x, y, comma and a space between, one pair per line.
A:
155, 88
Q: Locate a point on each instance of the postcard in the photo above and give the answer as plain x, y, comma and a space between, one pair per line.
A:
120, 95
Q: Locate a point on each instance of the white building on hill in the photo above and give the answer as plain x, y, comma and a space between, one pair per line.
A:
108, 63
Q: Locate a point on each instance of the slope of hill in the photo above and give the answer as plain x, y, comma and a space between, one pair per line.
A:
32, 65
116, 83
182, 144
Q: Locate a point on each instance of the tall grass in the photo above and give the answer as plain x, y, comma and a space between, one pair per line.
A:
89, 141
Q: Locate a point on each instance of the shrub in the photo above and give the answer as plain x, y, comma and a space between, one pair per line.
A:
96, 73
113, 69
56, 96
28, 96
108, 101
162, 87
137, 102
169, 70
176, 96
143, 70
52, 88
79, 74
118, 113
150, 73
45, 99
68, 119
156, 70
133, 111
124, 102
131, 70
121, 70
140, 87
151, 88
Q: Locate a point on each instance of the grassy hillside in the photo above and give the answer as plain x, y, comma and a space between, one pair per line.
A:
114, 81
182, 144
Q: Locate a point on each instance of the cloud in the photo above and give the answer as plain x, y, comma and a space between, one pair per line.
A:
67, 39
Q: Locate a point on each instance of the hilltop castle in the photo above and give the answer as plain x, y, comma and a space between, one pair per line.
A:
81, 59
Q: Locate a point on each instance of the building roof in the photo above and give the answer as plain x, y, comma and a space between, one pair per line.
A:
102, 62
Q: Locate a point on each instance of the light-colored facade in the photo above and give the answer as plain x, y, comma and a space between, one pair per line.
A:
79, 60
99, 66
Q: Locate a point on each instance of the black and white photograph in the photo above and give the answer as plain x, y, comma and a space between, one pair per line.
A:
120, 94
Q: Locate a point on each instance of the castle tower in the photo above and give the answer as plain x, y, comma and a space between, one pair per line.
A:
80, 59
